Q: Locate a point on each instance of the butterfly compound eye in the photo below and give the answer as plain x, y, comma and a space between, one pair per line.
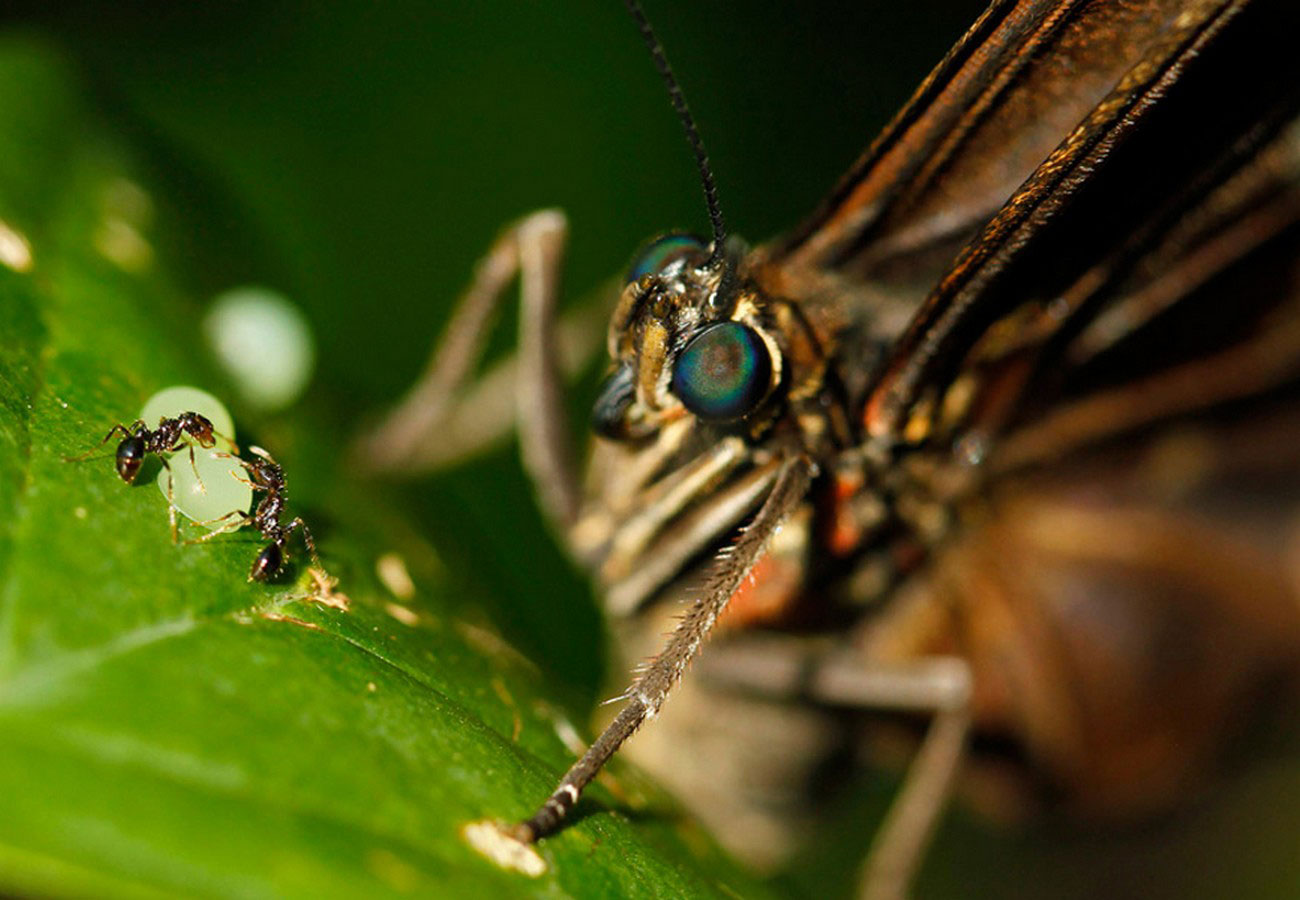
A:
657, 254
723, 373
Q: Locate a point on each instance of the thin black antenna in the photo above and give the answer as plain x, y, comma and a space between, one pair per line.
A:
688, 123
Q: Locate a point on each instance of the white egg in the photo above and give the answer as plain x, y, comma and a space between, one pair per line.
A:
213, 485
264, 344
214, 493
172, 401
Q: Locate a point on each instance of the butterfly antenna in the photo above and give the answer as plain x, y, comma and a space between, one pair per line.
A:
678, 101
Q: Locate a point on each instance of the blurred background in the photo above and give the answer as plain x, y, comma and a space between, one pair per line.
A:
359, 158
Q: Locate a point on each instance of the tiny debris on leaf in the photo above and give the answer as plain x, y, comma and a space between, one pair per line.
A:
489, 839
292, 620
323, 590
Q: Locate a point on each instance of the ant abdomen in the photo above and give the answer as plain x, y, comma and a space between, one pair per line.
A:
268, 563
129, 457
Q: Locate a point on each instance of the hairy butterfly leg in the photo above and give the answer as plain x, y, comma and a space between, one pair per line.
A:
656, 680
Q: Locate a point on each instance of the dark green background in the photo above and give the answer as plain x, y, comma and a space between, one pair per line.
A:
360, 157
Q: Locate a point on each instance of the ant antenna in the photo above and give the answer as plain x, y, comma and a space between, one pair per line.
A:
692, 133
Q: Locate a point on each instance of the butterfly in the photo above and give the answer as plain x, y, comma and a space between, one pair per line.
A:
1001, 437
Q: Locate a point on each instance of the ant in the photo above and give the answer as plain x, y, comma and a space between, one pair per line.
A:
265, 475
138, 440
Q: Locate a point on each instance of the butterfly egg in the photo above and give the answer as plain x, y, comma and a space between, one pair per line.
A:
170, 402
264, 344
214, 484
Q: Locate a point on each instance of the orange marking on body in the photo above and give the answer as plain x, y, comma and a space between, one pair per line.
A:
844, 531
878, 415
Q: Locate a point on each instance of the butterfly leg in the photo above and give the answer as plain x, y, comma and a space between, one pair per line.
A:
939, 686
448, 415
655, 681
944, 689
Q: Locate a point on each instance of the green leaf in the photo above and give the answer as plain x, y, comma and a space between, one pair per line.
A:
166, 726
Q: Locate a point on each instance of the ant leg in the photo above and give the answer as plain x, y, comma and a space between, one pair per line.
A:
444, 418
306, 539
252, 484
182, 444
195, 466
235, 525
125, 430
939, 686
171, 501
228, 442
119, 428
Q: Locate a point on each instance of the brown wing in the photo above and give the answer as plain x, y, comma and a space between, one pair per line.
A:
1205, 315
1025, 74
1218, 83
1127, 615
1108, 125
1122, 602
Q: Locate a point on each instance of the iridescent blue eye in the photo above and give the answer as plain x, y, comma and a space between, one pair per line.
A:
656, 255
723, 373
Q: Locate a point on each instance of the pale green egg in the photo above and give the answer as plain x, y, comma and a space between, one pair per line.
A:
264, 343
219, 490
172, 401
219, 487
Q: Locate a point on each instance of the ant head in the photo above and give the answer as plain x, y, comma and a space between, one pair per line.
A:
130, 455
200, 428
267, 564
